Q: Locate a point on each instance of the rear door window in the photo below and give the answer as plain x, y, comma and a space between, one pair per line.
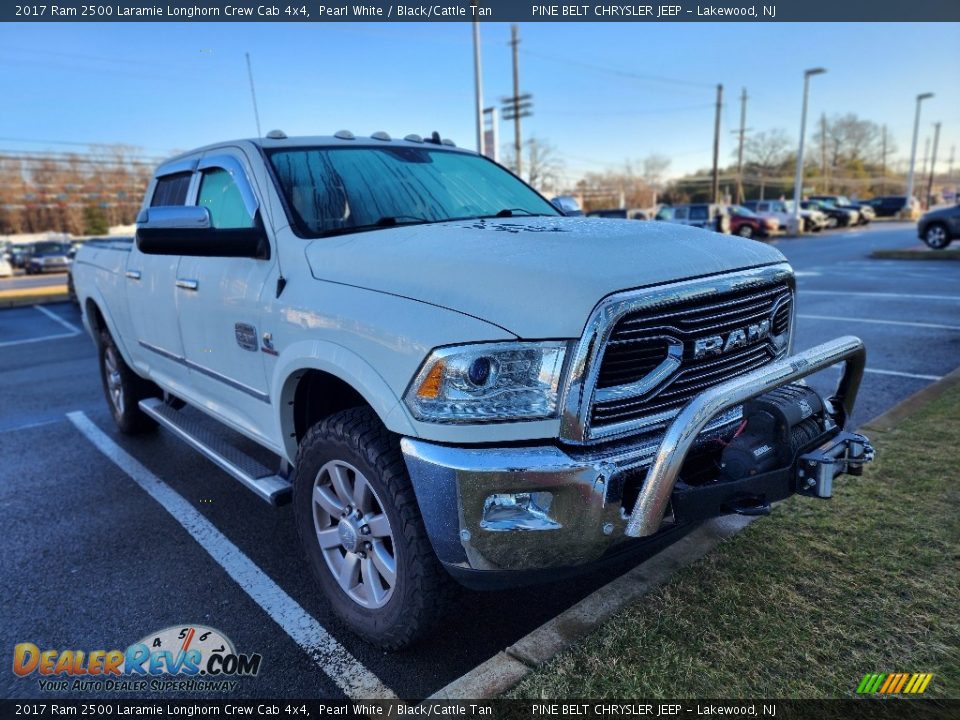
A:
680, 213
699, 212
171, 190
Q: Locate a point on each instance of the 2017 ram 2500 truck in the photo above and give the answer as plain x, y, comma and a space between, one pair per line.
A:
456, 381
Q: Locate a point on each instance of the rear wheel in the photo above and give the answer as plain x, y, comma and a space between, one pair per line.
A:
936, 236
361, 528
123, 388
745, 231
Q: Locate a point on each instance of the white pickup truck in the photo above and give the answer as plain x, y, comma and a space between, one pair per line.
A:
453, 379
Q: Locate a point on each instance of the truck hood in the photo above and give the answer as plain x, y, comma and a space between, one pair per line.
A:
536, 277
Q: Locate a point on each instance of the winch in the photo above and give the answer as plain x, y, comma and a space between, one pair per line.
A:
790, 426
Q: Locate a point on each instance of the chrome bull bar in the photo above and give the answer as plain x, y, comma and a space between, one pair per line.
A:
679, 438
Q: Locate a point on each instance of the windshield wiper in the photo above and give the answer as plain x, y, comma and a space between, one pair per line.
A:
510, 212
384, 222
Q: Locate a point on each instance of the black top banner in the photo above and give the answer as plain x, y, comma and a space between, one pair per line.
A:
483, 10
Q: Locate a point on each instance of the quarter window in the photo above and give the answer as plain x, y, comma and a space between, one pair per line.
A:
171, 190
221, 196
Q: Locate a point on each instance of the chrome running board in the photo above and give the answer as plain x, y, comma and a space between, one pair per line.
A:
265, 483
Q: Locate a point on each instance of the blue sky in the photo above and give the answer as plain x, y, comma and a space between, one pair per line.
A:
603, 92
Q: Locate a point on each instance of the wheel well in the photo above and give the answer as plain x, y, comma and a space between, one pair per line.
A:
318, 395
95, 318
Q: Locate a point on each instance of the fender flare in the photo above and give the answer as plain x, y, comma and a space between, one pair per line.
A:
343, 364
98, 300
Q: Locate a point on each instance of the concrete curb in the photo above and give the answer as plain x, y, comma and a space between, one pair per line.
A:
918, 254
508, 667
33, 296
913, 404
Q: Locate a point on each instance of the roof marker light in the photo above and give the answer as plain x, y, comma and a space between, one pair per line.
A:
380, 135
277, 135
413, 137
343, 135
448, 141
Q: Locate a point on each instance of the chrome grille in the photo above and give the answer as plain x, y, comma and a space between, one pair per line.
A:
635, 347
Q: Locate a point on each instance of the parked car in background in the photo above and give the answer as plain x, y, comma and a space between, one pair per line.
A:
748, 224
709, 216
836, 217
776, 209
49, 257
20, 255
811, 219
889, 205
938, 228
844, 203
568, 205
621, 213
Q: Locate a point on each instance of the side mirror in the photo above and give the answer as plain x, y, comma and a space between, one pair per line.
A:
187, 230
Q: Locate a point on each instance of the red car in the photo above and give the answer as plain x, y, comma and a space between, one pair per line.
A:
748, 224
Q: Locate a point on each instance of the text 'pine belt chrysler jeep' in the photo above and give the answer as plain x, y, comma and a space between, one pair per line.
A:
446, 376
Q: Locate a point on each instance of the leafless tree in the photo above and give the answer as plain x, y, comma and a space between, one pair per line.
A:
766, 152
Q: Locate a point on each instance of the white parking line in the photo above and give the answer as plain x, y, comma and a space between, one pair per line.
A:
879, 322
58, 336
340, 666
906, 296
897, 373
56, 318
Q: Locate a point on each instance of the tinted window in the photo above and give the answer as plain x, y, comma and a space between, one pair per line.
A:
171, 190
699, 212
333, 190
680, 213
221, 196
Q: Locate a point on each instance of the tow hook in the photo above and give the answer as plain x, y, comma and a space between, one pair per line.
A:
846, 453
752, 506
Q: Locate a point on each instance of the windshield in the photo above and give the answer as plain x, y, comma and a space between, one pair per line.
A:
50, 248
843, 200
742, 211
332, 191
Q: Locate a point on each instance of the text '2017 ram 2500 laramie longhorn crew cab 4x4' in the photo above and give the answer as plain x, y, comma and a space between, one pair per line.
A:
456, 380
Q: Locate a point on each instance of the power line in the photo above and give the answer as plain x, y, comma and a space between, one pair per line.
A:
617, 71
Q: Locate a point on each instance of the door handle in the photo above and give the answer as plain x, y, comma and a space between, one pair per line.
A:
187, 284
133, 274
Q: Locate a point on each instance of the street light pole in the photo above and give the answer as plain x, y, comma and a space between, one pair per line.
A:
478, 83
798, 180
913, 147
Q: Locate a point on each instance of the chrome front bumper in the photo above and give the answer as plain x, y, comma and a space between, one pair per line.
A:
454, 485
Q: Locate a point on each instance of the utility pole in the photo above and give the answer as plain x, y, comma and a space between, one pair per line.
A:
950, 167
477, 81
933, 162
517, 143
715, 187
743, 130
823, 152
883, 161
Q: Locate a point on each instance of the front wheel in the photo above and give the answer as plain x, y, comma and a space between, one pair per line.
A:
936, 237
361, 528
745, 231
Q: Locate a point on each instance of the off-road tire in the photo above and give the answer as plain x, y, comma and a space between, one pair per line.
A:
423, 590
126, 413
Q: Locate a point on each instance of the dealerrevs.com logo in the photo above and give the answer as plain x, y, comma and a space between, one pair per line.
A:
179, 658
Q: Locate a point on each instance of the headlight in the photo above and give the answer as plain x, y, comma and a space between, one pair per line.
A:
488, 383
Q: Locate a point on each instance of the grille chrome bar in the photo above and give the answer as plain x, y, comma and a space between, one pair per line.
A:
710, 294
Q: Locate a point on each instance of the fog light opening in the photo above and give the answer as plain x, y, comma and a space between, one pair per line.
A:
518, 511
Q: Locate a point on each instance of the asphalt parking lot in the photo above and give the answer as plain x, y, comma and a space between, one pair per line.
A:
93, 561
